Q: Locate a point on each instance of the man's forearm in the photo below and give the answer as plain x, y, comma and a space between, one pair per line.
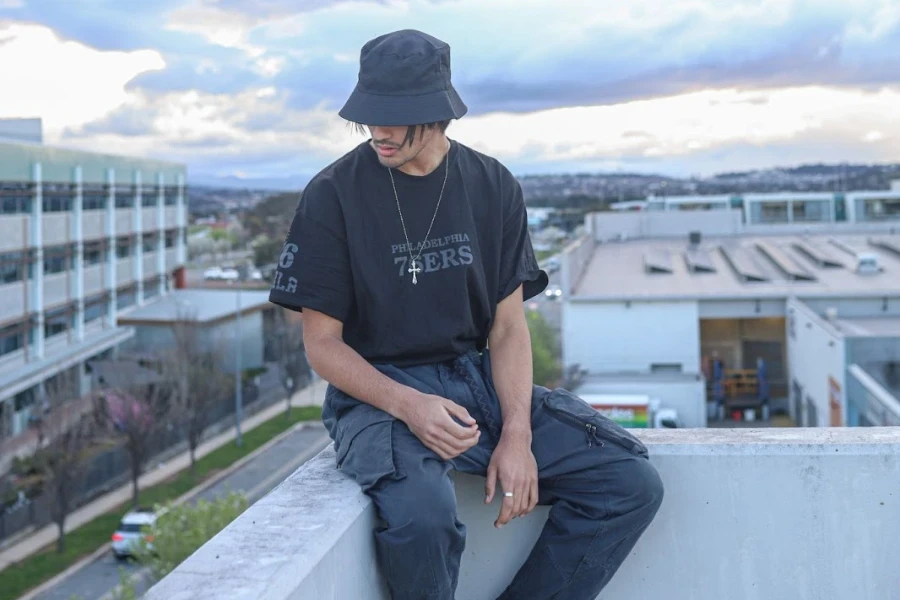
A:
512, 371
343, 367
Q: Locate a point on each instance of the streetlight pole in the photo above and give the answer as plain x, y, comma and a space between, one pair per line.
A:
238, 384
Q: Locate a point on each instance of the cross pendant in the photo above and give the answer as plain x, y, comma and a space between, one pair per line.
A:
414, 269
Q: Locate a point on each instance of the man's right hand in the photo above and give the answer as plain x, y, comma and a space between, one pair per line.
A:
430, 418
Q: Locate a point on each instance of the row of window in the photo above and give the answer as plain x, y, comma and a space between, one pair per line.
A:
11, 205
16, 266
62, 319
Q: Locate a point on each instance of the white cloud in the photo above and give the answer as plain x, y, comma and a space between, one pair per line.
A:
679, 126
218, 26
66, 83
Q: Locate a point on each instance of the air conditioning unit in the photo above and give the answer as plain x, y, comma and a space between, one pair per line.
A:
867, 263
695, 238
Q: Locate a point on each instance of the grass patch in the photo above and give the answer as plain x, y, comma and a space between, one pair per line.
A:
20, 577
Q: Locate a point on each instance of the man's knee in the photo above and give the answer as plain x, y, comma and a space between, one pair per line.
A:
643, 488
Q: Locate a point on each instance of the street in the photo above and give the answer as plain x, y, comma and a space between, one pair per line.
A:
255, 479
550, 310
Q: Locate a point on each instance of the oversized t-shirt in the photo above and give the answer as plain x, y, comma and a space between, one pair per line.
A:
346, 254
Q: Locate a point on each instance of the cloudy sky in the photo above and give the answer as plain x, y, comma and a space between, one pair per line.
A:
250, 89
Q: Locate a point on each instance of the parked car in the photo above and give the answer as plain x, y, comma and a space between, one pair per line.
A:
130, 532
553, 292
230, 274
212, 273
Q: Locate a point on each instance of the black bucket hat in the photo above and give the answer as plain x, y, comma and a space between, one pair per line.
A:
404, 79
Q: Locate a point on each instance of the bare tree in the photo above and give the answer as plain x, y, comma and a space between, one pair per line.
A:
134, 404
198, 381
68, 428
292, 362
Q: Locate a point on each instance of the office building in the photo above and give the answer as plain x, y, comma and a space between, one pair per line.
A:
83, 237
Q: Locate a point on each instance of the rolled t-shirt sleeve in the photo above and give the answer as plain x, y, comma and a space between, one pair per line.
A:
313, 269
518, 265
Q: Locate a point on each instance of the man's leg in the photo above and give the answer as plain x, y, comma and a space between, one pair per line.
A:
603, 491
420, 541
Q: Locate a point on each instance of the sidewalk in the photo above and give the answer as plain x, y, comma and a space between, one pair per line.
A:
313, 394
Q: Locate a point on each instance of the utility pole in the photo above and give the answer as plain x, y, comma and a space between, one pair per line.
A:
238, 384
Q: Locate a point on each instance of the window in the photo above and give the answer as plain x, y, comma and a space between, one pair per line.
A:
93, 201
57, 321
125, 199
24, 399
123, 248
55, 203
57, 259
12, 338
171, 236
17, 204
151, 288
12, 267
171, 196
149, 197
125, 298
93, 253
94, 308
149, 242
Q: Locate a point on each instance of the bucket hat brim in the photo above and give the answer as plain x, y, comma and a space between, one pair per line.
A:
396, 110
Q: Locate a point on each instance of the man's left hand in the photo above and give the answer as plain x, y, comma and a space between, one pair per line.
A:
514, 466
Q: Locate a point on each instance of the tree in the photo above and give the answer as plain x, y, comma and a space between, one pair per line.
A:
544, 351
135, 403
266, 250
181, 529
293, 366
68, 429
197, 380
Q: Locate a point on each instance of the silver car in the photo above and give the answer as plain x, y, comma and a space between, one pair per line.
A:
128, 534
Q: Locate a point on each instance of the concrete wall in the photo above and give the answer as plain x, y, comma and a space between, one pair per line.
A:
94, 224
171, 217
124, 221
94, 279
124, 270
777, 514
13, 300
56, 288
617, 336
56, 228
218, 337
13, 232
612, 225
818, 365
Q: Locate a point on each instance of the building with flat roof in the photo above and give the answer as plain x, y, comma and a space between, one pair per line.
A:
213, 315
83, 237
706, 295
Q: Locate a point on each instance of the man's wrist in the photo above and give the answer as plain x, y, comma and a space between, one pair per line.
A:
518, 429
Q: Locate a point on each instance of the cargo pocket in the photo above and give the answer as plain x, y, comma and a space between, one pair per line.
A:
365, 449
572, 410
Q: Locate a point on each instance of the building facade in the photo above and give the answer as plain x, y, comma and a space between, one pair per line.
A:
83, 237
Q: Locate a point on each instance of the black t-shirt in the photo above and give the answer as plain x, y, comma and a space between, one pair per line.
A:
346, 255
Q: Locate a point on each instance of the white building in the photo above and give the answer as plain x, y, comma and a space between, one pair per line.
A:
652, 297
82, 238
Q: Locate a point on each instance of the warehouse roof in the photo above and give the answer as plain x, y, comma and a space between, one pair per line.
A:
201, 305
756, 266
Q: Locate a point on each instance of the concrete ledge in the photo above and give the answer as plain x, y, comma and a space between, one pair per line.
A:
799, 514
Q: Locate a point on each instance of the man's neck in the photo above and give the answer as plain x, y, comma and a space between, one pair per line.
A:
429, 158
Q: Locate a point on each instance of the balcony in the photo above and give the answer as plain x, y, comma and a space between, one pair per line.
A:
778, 514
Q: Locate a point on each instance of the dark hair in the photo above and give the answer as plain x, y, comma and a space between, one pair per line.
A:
410, 131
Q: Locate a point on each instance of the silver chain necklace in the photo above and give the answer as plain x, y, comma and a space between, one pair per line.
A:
413, 264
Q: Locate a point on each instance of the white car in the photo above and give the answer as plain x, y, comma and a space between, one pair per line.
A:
553, 292
212, 273
230, 275
130, 531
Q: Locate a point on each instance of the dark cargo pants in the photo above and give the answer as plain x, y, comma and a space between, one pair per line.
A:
593, 473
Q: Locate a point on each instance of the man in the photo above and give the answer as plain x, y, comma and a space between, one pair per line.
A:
409, 257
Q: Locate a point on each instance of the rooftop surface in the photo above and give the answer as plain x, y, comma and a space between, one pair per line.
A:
871, 327
203, 306
745, 266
